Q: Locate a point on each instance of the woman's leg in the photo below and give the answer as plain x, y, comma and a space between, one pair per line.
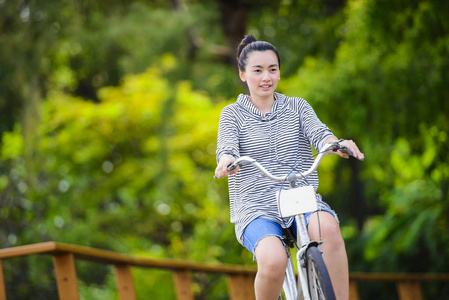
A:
271, 264
334, 251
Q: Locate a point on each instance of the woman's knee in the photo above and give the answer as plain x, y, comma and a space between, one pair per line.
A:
328, 227
271, 256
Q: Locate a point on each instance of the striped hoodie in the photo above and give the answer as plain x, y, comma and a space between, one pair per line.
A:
279, 140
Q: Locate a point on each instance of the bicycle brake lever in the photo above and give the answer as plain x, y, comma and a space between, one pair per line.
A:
334, 147
346, 150
337, 147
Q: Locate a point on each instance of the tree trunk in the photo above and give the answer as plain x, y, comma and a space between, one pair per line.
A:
233, 19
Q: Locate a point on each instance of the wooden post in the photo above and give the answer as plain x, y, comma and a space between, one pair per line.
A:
2, 283
241, 287
183, 285
125, 284
66, 276
409, 290
353, 290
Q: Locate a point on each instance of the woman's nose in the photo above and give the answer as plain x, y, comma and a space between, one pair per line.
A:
265, 76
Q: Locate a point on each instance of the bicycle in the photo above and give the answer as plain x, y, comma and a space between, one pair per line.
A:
313, 281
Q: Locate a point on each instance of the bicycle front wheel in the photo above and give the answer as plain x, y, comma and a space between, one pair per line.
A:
320, 285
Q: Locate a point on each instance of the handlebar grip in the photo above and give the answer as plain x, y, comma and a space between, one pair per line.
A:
231, 167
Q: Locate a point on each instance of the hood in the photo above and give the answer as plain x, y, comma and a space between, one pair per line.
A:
279, 105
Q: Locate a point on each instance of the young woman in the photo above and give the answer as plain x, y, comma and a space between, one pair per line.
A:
278, 131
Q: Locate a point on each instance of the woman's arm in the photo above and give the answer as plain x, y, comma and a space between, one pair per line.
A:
319, 134
227, 142
316, 131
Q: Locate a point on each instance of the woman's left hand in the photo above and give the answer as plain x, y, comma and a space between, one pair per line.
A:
354, 149
350, 144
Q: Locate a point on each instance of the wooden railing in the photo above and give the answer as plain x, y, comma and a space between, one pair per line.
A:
408, 285
240, 279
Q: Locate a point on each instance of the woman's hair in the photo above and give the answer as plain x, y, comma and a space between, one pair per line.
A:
250, 44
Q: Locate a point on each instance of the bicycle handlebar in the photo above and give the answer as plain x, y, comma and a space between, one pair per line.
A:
329, 146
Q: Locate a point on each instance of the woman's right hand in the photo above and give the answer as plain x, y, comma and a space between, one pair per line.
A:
221, 170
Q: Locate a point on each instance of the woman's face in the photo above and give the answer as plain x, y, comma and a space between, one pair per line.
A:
261, 74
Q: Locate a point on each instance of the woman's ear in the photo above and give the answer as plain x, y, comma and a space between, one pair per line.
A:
242, 76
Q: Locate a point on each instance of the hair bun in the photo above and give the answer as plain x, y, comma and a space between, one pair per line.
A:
248, 39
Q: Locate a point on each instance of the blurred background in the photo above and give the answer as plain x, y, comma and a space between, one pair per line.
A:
109, 113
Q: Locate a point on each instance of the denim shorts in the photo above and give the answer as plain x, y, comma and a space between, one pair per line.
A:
259, 228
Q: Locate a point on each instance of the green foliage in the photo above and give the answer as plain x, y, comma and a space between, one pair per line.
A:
136, 153
416, 213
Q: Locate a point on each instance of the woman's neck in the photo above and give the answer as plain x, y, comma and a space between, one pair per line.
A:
264, 105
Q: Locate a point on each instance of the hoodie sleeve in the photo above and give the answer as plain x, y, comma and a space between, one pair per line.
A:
228, 133
316, 131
